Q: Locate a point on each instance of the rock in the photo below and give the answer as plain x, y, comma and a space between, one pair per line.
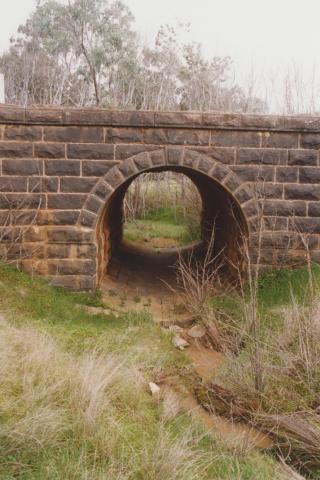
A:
197, 331
154, 389
175, 328
180, 342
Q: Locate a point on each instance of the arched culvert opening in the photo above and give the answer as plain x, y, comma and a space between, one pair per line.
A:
162, 211
144, 268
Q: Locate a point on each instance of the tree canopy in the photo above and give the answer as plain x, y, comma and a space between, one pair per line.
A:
88, 52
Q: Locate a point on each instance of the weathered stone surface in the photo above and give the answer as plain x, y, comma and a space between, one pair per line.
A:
93, 151
218, 171
34, 233
284, 208
124, 135
175, 156
63, 217
157, 157
74, 282
123, 152
243, 194
13, 184
24, 133
96, 168
189, 119
114, 177
142, 161
134, 118
94, 204
254, 174
66, 201
225, 155
302, 192
58, 251
163, 136
306, 225
60, 169
310, 140
22, 167
22, 201
275, 223
314, 209
88, 219
303, 157
251, 208
71, 267
269, 190
9, 114
18, 218
73, 134
235, 139
44, 116
262, 156
77, 185
128, 168
280, 140
287, 174
50, 150
103, 190
43, 184
16, 150
192, 159
69, 235
309, 175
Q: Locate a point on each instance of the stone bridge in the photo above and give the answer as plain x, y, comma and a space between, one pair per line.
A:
64, 173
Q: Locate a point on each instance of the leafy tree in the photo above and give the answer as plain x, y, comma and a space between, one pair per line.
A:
86, 41
87, 52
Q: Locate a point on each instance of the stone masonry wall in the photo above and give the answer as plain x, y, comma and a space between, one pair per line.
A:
59, 167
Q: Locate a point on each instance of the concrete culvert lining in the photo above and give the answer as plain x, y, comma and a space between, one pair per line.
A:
151, 268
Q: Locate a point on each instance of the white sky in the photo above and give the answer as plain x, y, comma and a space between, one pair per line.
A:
261, 35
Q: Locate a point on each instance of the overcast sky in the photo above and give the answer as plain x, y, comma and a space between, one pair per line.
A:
264, 35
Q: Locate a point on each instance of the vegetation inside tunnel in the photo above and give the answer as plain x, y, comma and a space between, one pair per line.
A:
162, 210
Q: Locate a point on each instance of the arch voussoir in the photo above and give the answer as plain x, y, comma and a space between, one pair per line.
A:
88, 219
128, 168
158, 157
142, 161
191, 159
175, 156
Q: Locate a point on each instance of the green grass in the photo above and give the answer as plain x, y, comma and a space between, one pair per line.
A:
58, 421
275, 289
163, 223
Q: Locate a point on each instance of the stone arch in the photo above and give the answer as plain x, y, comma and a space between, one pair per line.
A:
93, 215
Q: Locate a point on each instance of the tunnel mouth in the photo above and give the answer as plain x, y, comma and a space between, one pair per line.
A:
152, 268
161, 213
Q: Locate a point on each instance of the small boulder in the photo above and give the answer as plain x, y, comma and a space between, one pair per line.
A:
154, 389
197, 331
180, 342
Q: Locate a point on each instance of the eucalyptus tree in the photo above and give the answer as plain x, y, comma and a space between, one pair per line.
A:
79, 47
87, 52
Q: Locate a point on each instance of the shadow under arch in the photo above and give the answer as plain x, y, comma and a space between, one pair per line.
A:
227, 203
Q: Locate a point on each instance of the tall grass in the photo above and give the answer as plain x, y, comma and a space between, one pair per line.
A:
286, 405
74, 402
